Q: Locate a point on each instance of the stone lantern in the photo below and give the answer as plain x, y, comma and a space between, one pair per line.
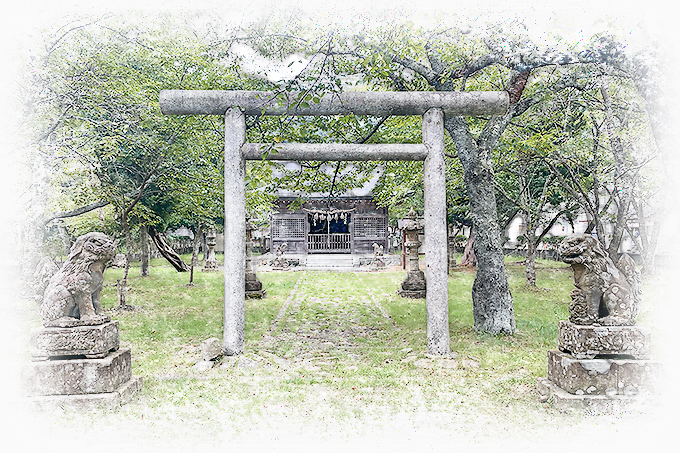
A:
253, 285
414, 284
211, 242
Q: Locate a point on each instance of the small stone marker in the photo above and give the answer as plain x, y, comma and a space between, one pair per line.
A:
211, 349
211, 262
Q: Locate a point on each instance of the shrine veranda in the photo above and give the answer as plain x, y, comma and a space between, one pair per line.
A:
235, 105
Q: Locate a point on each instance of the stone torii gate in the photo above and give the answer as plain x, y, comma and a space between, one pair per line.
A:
234, 105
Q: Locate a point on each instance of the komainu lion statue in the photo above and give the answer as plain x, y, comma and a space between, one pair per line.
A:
604, 293
72, 296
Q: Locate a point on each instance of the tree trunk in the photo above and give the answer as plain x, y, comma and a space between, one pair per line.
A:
144, 238
492, 306
204, 246
530, 262
194, 253
469, 258
122, 284
168, 253
197, 242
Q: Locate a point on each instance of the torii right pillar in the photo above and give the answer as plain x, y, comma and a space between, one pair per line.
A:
434, 180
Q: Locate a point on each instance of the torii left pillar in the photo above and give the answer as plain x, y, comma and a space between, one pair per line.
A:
234, 232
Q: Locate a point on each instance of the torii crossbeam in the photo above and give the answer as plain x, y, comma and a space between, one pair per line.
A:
234, 105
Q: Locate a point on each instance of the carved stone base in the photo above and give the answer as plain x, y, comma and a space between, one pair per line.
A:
89, 341
602, 376
414, 285
254, 286
210, 266
78, 376
418, 294
601, 404
588, 341
76, 322
122, 395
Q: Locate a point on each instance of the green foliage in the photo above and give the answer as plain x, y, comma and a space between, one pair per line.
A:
99, 84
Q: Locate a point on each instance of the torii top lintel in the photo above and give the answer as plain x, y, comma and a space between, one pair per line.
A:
374, 103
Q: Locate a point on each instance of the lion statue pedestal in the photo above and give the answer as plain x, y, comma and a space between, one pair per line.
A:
602, 363
76, 358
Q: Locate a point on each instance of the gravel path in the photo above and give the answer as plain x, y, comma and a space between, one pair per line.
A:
319, 329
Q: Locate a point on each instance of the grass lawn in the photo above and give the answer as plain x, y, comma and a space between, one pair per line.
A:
328, 354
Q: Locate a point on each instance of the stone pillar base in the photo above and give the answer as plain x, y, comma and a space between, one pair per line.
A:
79, 366
110, 400
254, 287
587, 342
601, 385
602, 376
92, 342
412, 294
414, 285
77, 376
600, 404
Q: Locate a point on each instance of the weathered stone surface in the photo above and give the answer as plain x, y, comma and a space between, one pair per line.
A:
434, 217
586, 342
414, 285
73, 292
122, 395
89, 341
234, 232
77, 322
377, 103
599, 404
253, 285
604, 293
334, 152
77, 377
211, 264
211, 349
602, 376
118, 261
43, 273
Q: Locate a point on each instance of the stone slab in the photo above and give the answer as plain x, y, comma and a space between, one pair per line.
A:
602, 376
110, 400
89, 341
78, 376
598, 404
587, 342
417, 294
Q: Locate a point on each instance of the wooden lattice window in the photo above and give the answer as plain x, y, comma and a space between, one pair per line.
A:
370, 227
288, 228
